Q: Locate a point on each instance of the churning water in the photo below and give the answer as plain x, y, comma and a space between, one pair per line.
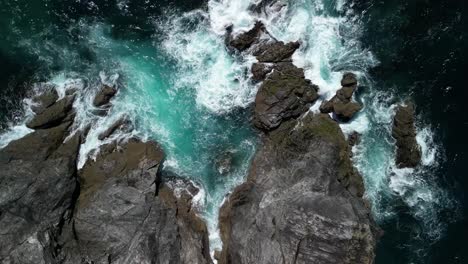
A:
180, 86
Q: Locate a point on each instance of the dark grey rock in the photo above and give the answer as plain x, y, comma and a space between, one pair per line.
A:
123, 216
276, 51
122, 124
283, 95
45, 99
301, 202
37, 187
346, 111
104, 95
349, 80
341, 104
260, 71
52, 115
245, 40
408, 154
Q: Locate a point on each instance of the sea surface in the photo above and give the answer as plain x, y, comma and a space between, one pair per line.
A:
180, 86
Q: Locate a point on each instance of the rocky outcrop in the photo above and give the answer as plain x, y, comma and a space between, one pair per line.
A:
115, 210
37, 187
341, 104
408, 152
301, 202
284, 94
124, 216
244, 40
104, 95
52, 115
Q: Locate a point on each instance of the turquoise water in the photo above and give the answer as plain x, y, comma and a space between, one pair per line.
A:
181, 87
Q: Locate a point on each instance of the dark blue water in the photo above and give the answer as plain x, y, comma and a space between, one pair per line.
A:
423, 48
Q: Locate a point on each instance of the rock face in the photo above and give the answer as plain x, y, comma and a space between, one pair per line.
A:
408, 154
115, 210
301, 202
284, 94
104, 95
341, 104
37, 187
52, 115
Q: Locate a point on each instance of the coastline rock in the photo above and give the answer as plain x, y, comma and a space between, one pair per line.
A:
346, 111
121, 124
245, 40
123, 216
276, 51
52, 115
408, 153
44, 100
104, 95
37, 187
283, 95
260, 71
349, 80
341, 104
301, 202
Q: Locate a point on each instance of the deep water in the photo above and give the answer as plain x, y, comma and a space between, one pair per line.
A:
180, 86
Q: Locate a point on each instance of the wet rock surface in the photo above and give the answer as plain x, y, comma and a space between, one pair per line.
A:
341, 104
408, 152
104, 95
284, 94
52, 115
301, 202
116, 209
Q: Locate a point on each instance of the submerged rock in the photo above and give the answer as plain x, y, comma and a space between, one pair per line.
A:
408, 153
283, 95
301, 202
104, 95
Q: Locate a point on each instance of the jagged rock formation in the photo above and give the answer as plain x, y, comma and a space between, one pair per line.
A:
285, 92
408, 153
115, 210
302, 201
104, 95
341, 104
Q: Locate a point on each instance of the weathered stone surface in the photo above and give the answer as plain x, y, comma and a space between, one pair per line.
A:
349, 80
37, 187
52, 115
276, 51
48, 97
346, 111
260, 71
245, 40
104, 95
301, 202
341, 104
122, 124
283, 95
123, 216
408, 154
